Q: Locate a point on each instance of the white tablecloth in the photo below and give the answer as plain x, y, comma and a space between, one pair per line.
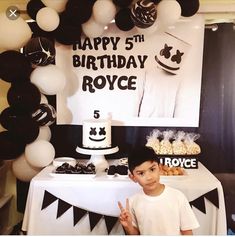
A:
101, 194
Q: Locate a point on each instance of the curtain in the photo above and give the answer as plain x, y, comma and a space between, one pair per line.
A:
217, 115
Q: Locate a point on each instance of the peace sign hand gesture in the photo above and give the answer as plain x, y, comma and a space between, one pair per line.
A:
125, 215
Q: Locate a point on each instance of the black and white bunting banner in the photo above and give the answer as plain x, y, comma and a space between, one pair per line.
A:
199, 202
110, 221
78, 213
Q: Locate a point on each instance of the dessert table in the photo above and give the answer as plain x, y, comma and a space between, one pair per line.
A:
70, 204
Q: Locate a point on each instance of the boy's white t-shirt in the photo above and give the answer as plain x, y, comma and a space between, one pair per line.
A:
165, 214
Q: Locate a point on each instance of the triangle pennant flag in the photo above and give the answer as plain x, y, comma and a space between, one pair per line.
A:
213, 197
78, 213
94, 219
199, 203
62, 208
110, 221
48, 199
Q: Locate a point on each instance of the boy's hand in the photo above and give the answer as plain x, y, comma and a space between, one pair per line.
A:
125, 215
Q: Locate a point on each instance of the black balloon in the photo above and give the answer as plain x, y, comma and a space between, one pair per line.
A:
40, 51
45, 115
156, 1
10, 148
38, 32
14, 66
66, 33
33, 7
122, 3
26, 130
24, 96
78, 12
188, 8
143, 13
123, 19
10, 116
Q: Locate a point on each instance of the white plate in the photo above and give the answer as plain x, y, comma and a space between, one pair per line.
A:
60, 160
72, 176
117, 176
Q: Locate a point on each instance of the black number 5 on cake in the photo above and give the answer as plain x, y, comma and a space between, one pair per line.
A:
96, 114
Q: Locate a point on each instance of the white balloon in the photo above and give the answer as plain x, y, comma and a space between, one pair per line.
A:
47, 19
64, 114
92, 29
14, 34
23, 170
44, 133
39, 153
104, 11
168, 12
49, 79
58, 5
44, 99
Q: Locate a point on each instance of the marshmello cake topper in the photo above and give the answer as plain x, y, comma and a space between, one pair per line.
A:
96, 133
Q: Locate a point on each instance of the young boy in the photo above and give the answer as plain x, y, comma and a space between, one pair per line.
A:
159, 209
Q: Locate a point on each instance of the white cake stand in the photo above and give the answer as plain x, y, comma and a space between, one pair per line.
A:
97, 156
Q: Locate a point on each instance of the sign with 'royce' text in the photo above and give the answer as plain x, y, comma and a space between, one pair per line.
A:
183, 162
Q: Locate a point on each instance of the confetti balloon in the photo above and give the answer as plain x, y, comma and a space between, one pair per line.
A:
40, 51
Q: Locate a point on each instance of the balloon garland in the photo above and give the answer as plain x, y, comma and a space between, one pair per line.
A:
28, 64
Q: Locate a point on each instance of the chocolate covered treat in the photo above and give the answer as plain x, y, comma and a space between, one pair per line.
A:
122, 170
60, 170
112, 170
79, 168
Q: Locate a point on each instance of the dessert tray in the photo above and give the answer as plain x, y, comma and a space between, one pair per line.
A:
72, 176
174, 177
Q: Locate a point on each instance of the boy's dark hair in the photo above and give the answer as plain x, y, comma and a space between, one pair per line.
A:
139, 155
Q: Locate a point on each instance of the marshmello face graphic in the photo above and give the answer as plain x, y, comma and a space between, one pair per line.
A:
97, 134
170, 57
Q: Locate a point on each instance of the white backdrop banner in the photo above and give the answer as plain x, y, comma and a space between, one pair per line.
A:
134, 78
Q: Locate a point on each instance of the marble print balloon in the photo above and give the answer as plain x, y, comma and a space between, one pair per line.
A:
143, 13
40, 51
44, 115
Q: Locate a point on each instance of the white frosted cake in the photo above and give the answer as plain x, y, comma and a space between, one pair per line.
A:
96, 134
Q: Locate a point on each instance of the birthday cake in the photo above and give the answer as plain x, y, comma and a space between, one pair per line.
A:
96, 134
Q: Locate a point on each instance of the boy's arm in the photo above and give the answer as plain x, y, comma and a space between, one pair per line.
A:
186, 232
131, 230
126, 220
